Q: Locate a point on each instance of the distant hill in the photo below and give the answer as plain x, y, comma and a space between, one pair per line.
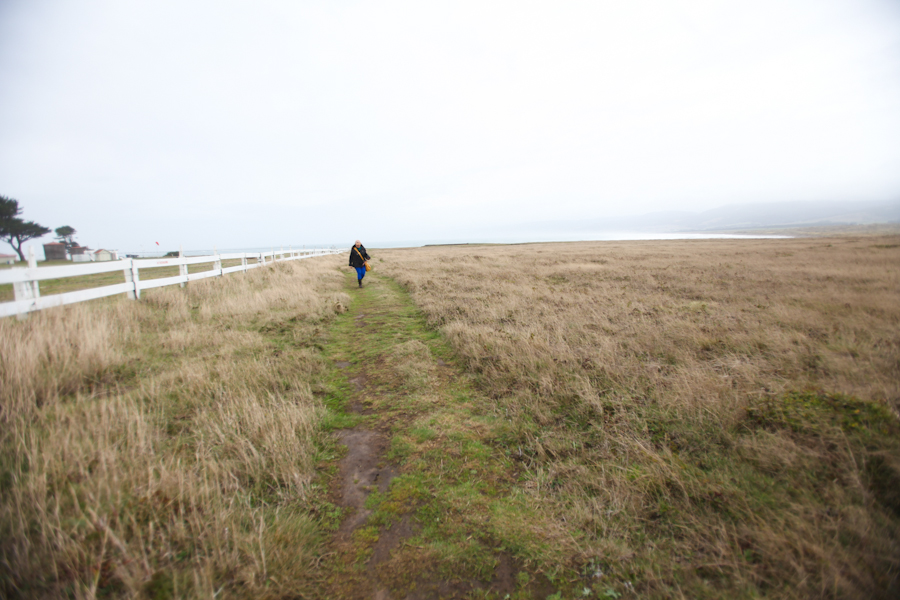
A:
740, 217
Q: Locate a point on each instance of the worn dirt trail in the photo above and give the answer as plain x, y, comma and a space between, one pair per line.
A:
414, 497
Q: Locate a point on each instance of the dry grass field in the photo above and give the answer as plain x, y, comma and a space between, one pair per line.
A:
160, 448
690, 419
700, 418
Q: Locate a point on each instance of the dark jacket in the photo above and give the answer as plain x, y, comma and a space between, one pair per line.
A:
355, 260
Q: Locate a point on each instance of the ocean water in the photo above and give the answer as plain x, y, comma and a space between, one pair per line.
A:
575, 237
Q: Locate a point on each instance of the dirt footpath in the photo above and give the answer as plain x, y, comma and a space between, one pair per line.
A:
420, 491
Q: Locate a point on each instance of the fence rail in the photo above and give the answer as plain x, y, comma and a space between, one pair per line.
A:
25, 280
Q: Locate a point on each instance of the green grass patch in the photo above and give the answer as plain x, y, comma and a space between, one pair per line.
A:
454, 486
813, 413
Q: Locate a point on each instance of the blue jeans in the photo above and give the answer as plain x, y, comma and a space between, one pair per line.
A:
360, 273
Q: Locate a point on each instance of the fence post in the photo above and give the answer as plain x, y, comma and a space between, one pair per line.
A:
244, 261
32, 264
131, 277
27, 290
182, 268
137, 279
217, 266
23, 291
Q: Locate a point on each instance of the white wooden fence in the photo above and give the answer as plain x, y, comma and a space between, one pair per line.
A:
28, 294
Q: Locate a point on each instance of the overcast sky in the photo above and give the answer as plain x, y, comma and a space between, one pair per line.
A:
243, 124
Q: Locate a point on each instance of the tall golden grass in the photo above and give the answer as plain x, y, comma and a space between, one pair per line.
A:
167, 446
704, 418
701, 419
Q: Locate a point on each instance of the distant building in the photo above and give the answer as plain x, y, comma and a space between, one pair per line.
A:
54, 251
8, 259
81, 254
102, 255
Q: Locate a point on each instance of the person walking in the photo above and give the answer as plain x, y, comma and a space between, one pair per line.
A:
358, 258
